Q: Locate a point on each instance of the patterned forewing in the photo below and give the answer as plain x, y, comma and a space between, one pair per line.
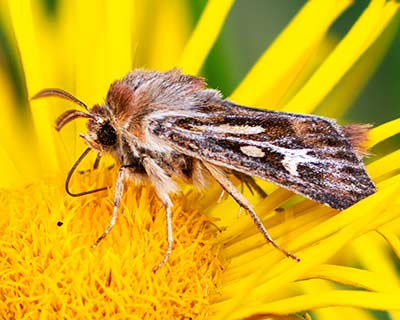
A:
306, 154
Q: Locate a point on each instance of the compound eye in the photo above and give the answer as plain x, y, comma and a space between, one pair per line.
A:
106, 135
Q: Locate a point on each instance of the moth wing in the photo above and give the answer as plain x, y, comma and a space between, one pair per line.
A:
307, 154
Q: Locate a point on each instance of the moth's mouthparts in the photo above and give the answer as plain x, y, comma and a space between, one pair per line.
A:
90, 140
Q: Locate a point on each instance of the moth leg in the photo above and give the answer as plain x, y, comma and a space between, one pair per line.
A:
97, 161
119, 190
168, 209
95, 165
250, 183
229, 187
163, 185
221, 196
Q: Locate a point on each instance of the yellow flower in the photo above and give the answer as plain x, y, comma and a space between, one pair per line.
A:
221, 267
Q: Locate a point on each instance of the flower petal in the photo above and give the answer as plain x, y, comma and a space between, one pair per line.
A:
335, 312
10, 172
391, 238
270, 277
337, 102
280, 62
169, 18
94, 36
383, 132
384, 165
204, 36
352, 276
18, 160
117, 39
370, 300
362, 35
32, 61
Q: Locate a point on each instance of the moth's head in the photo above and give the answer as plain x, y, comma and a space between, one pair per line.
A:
101, 136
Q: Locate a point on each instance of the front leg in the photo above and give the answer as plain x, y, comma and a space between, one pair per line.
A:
119, 190
163, 185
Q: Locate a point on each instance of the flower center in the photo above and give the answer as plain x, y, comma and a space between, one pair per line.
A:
47, 261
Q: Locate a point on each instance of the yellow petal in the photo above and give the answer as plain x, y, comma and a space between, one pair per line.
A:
383, 132
349, 87
204, 36
93, 67
336, 312
353, 277
117, 40
290, 51
362, 35
33, 61
384, 165
288, 88
391, 238
19, 163
10, 172
370, 300
169, 18
286, 271
376, 258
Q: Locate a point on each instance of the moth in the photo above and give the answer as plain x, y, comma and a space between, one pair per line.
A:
167, 128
